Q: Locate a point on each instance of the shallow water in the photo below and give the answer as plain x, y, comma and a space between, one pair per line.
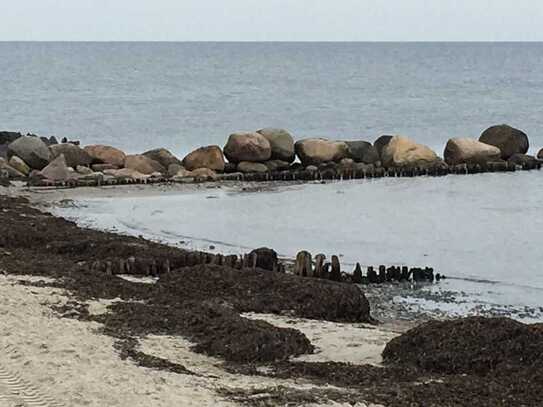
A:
482, 231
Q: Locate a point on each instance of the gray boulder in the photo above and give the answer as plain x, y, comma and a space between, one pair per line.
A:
73, 154
31, 150
362, 152
162, 156
281, 142
57, 170
508, 139
524, 160
277, 165
247, 147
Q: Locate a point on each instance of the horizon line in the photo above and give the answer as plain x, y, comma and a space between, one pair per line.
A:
284, 41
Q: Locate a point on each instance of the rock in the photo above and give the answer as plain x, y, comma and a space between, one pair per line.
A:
73, 154
524, 160
162, 156
404, 152
312, 168
57, 170
247, 147
469, 151
266, 258
80, 169
281, 142
102, 154
319, 266
126, 173
247, 167
142, 164
7, 137
277, 165
346, 163
508, 139
7, 171
103, 167
315, 151
362, 152
173, 169
204, 174
92, 176
31, 150
303, 266
205, 157
230, 168
183, 173
19, 165
381, 143
357, 274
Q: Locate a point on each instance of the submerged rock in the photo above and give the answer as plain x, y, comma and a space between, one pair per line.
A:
143, 164
508, 139
281, 142
404, 152
32, 150
73, 154
102, 154
315, 151
469, 151
247, 147
205, 157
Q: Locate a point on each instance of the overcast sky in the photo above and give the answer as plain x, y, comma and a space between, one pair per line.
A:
272, 20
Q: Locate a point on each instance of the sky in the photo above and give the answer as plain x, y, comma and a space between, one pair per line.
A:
271, 20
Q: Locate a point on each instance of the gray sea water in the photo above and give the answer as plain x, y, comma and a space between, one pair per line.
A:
485, 230
182, 95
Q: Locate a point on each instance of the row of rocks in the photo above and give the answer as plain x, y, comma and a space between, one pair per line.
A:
267, 151
318, 267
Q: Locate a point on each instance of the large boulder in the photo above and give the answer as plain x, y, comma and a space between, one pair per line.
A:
58, 170
102, 154
143, 165
7, 137
362, 152
315, 151
248, 167
162, 156
205, 157
247, 147
281, 142
469, 151
381, 143
266, 258
8, 171
31, 150
403, 152
73, 154
508, 139
19, 165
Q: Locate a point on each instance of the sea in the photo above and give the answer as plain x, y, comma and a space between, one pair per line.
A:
483, 231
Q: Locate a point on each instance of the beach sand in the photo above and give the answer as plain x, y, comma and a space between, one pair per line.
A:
51, 361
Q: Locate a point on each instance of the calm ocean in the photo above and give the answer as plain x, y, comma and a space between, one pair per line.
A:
182, 95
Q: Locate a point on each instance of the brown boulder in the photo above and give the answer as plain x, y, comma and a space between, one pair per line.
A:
469, 151
73, 154
205, 157
126, 173
315, 151
508, 139
162, 156
101, 154
247, 147
143, 164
